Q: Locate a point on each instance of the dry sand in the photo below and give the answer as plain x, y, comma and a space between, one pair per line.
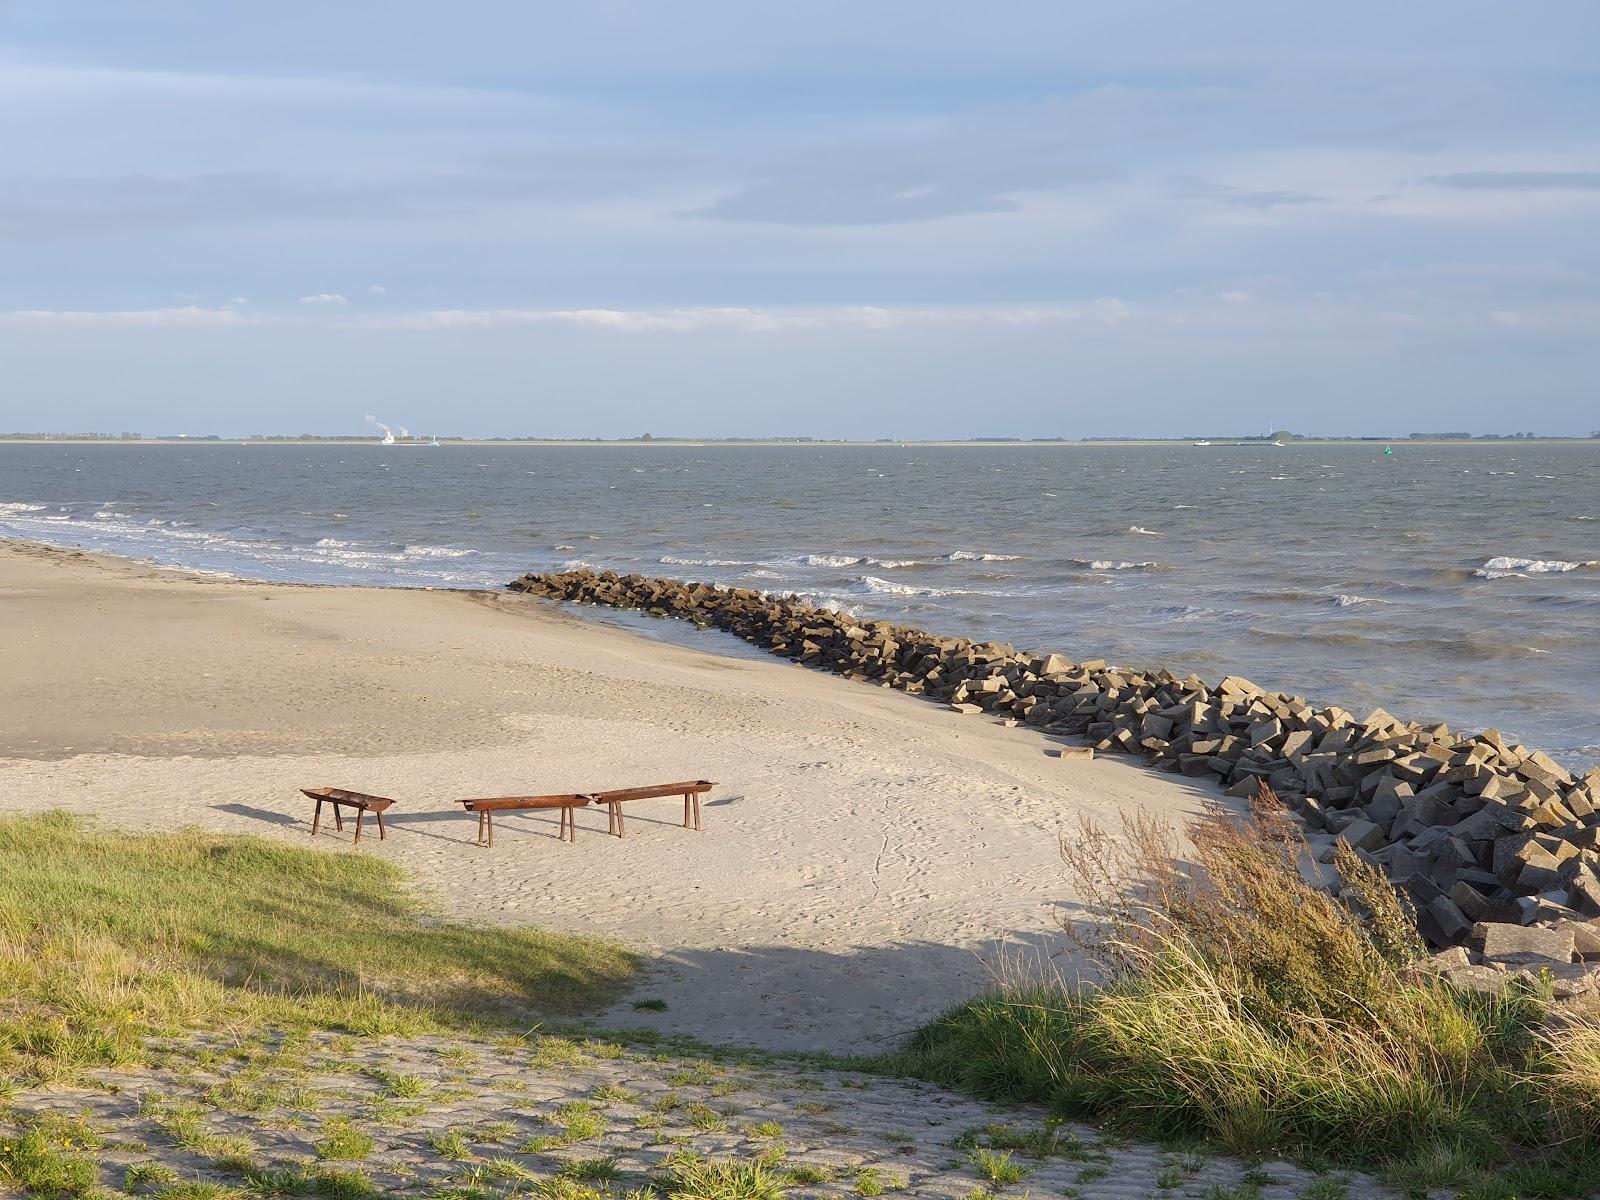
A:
865, 856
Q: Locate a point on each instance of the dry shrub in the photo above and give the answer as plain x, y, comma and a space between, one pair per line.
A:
1288, 950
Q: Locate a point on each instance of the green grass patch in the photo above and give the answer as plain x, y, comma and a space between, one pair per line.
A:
107, 937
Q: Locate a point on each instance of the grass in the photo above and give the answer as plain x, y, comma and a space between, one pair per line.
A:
1239, 1006
694, 1179
342, 1140
109, 937
997, 1167
51, 1156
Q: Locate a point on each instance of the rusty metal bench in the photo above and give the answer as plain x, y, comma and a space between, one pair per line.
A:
487, 806
340, 798
691, 790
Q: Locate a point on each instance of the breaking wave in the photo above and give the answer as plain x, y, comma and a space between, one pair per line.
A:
1519, 568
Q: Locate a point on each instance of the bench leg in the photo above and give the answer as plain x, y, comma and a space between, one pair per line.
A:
686, 810
316, 818
360, 812
379, 816
338, 818
697, 814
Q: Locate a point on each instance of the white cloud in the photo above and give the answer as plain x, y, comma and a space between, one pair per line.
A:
324, 298
754, 320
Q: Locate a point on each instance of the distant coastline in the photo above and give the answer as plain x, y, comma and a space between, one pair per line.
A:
1211, 441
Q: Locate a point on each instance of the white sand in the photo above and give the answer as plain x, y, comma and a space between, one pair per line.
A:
864, 854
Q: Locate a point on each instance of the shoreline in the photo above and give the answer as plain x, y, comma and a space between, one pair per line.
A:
865, 860
813, 443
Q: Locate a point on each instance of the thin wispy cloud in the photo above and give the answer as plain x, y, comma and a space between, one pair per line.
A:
1521, 181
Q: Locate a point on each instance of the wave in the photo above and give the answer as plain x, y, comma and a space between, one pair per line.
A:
831, 560
434, 552
1107, 564
675, 561
1145, 532
979, 556
1348, 601
16, 506
1503, 567
887, 587
333, 544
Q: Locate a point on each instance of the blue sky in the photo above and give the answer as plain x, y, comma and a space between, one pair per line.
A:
892, 219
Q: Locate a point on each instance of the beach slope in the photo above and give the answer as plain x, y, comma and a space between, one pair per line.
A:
866, 855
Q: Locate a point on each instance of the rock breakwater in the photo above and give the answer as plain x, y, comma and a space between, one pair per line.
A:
1498, 847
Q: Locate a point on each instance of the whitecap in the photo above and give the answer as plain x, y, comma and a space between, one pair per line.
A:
886, 587
1346, 601
1111, 564
16, 506
1146, 532
675, 561
334, 543
979, 556
831, 560
1503, 567
434, 552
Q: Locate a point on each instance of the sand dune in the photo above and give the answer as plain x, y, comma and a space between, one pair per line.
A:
864, 855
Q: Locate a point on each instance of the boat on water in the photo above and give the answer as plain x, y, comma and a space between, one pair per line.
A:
405, 439
1202, 442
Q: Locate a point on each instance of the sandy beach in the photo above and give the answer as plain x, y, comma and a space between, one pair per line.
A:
866, 856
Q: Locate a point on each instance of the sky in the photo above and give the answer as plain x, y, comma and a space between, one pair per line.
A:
891, 219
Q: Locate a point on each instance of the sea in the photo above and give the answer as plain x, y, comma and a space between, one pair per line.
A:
1458, 583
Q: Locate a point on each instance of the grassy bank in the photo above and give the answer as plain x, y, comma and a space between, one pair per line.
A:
1238, 1006
107, 938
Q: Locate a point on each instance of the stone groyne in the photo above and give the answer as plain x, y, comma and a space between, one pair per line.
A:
1497, 847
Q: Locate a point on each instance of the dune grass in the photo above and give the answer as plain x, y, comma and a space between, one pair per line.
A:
1234, 1003
108, 937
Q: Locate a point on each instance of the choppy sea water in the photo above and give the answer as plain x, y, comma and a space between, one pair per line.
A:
1457, 583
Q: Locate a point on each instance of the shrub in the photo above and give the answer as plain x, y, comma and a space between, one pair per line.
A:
1227, 999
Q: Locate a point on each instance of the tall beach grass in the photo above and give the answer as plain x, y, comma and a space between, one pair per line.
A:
1224, 998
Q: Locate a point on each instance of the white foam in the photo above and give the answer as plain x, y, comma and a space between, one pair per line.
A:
435, 552
1504, 567
886, 587
107, 514
831, 560
334, 543
1344, 601
16, 506
1146, 532
1111, 564
979, 556
674, 560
